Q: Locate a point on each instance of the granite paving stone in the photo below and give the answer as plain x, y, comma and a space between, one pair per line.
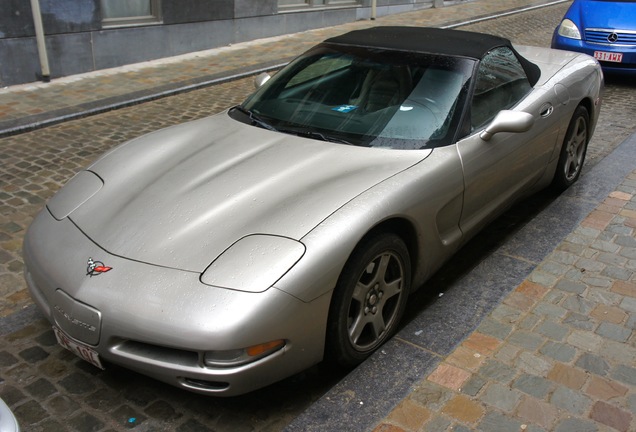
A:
624, 288
619, 352
611, 416
526, 339
465, 359
497, 371
631, 402
529, 322
593, 363
495, 328
463, 409
631, 321
603, 389
543, 278
533, 363
576, 425
625, 374
551, 310
41, 389
62, 406
431, 395
573, 401
558, 351
611, 314
617, 273
506, 314
507, 354
585, 340
629, 304
537, 412
614, 332
410, 415
437, 423
85, 422
501, 397
473, 385
603, 296
571, 286
552, 330
533, 385
568, 376
496, 421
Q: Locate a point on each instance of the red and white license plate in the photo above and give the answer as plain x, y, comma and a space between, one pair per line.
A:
80, 350
608, 56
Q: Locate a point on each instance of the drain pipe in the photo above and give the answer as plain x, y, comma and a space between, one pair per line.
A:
39, 36
374, 3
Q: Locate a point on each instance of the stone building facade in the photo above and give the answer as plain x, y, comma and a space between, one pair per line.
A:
87, 35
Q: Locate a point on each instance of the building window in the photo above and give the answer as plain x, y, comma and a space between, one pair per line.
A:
130, 12
303, 4
292, 3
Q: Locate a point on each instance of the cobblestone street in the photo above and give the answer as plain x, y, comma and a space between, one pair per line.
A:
52, 390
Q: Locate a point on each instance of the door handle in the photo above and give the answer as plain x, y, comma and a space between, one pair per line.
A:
546, 110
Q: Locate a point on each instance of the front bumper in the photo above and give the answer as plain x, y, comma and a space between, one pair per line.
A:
626, 66
159, 321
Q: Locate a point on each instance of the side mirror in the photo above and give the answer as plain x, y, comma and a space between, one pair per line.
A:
508, 121
261, 79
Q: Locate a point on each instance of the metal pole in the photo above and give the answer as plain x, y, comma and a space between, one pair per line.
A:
374, 3
39, 36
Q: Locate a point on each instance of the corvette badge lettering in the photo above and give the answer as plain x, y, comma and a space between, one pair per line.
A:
95, 268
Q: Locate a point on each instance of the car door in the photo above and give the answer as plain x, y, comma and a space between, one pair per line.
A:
506, 165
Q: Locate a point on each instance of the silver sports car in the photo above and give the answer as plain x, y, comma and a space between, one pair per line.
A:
228, 253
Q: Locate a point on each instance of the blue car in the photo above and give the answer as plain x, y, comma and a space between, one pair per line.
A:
604, 29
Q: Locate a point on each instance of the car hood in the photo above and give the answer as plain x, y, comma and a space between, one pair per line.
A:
618, 15
181, 196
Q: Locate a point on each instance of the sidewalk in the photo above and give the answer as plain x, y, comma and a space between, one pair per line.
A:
557, 349
29, 106
559, 354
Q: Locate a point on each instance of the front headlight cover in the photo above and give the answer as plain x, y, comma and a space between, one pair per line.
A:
569, 30
73, 194
254, 263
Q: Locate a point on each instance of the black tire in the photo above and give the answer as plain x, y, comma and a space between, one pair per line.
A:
573, 151
369, 299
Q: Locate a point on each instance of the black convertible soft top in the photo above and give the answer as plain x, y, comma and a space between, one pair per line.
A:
433, 41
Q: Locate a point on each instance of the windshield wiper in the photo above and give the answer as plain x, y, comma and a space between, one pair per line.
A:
315, 135
256, 120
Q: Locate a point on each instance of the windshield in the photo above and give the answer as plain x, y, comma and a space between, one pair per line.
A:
368, 97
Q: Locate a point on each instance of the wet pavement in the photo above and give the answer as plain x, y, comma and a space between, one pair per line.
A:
530, 327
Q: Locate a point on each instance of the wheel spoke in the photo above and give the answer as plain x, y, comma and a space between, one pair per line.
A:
571, 165
581, 139
378, 325
371, 322
359, 292
392, 288
382, 268
357, 327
